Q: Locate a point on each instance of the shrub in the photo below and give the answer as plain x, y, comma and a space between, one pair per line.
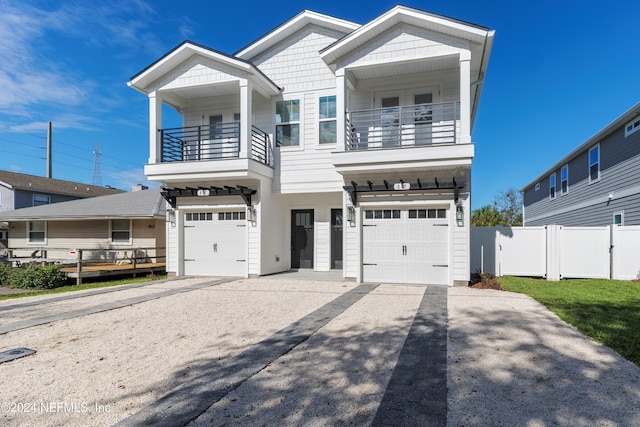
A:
36, 276
5, 272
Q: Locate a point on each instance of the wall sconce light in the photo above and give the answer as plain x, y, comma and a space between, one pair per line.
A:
251, 214
171, 217
459, 213
351, 214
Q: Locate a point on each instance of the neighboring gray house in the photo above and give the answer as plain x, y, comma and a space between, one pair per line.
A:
596, 184
19, 190
106, 226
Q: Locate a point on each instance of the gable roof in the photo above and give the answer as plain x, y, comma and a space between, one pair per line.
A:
137, 204
614, 125
289, 27
479, 37
145, 78
21, 181
398, 14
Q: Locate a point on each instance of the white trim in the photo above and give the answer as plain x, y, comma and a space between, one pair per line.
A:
29, 242
621, 213
554, 186
591, 181
300, 122
562, 190
120, 242
632, 127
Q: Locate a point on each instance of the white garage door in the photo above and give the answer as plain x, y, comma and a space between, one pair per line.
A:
215, 243
406, 246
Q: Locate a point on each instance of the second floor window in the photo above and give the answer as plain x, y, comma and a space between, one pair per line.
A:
288, 123
327, 116
594, 163
39, 199
552, 186
564, 179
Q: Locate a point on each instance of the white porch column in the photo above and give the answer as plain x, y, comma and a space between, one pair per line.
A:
465, 97
341, 109
246, 118
155, 124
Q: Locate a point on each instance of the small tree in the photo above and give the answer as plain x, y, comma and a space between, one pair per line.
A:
509, 203
486, 216
506, 210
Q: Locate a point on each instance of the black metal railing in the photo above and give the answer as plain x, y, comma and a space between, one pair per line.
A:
261, 146
212, 142
403, 126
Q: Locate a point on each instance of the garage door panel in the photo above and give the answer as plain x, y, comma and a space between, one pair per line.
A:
215, 245
412, 247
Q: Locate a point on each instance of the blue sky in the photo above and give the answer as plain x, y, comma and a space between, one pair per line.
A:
559, 72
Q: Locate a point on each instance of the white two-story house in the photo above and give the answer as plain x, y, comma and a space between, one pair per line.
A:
324, 144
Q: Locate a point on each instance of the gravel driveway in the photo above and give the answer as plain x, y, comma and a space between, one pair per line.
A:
285, 351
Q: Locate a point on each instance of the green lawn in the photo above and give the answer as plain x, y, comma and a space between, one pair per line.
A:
90, 285
606, 310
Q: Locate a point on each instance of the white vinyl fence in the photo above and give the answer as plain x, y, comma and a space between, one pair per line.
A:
557, 252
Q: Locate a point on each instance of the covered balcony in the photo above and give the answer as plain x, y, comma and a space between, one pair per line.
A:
220, 141
403, 126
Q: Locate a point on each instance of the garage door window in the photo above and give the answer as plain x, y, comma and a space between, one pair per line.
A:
428, 213
382, 214
231, 216
199, 216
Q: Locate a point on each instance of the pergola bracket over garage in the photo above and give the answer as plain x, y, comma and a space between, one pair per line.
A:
354, 189
171, 194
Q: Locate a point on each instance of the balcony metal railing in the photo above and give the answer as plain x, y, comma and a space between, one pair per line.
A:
403, 126
212, 142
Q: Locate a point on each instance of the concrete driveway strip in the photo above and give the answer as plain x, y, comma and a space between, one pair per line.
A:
187, 401
514, 363
90, 307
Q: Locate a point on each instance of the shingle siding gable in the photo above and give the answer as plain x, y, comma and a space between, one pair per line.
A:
295, 64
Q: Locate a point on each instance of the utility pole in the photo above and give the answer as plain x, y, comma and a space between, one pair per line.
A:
49, 137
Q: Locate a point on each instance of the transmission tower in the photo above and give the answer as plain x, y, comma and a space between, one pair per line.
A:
97, 174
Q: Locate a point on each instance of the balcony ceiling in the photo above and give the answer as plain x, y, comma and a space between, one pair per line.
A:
408, 67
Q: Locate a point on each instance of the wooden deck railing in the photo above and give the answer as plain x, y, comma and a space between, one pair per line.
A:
94, 262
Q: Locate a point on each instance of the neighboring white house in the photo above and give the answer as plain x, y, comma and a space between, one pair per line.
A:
324, 144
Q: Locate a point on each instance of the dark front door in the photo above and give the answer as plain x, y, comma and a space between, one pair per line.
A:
302, 238
336, 238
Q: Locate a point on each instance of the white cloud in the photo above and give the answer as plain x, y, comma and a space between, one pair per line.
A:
35, 73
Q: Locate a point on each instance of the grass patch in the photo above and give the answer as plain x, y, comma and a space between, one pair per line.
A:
608, 311
88, 285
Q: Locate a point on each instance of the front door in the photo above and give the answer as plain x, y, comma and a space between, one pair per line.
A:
336, 238
302, 238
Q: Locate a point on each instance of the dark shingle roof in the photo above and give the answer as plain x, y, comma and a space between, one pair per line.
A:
138, 204
21, 181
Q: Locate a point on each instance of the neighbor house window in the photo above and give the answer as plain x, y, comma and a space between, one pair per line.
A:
632, 127
121, 231
39, 199
288, 123
594, 163
327, 119
537, 186
552, 186
564, 179
618, 218
37, 232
